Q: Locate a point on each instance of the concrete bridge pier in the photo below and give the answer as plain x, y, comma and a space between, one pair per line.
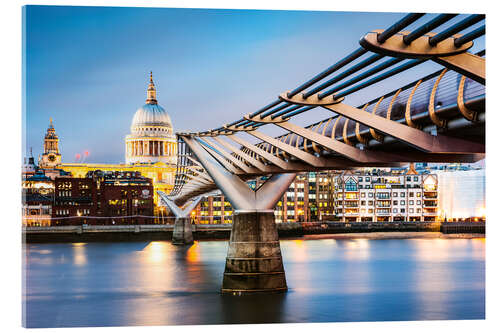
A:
183, 232
254, 263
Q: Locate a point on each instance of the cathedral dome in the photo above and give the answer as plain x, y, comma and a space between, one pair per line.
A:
151, 137
151, 114
151, 119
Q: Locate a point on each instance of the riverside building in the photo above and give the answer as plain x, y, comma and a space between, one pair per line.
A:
385, 197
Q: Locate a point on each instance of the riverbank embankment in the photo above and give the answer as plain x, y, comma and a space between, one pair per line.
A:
89, 233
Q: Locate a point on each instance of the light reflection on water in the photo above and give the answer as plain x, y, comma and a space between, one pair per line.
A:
157, 283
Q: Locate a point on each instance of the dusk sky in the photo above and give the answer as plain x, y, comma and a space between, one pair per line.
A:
88, 67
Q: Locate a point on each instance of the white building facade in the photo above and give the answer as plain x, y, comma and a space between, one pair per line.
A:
462, 195
386, 198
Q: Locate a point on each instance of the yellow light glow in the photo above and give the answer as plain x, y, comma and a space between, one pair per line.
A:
156, 252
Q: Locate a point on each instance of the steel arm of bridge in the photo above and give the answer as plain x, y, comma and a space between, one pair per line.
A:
261, 152
230, 157
445, 53
224, 162
241, 197
341, 148
467, 64
412, 136
200, 174
198, 181
296, 152
178, 211
247, 158
339, 163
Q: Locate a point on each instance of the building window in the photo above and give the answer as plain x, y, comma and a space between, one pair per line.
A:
419, 202
411, 194
415, 178
403, 202
402, 210
370, 203
411, 210
411, 202
394, 210
351, 185
402, 195
418, 210
370, 195
419, 194
395, 202
395, 194
367, 179
363, 195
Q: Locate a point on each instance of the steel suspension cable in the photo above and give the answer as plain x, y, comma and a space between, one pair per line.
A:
344, 74
465, 23
423, 29
341, 63
398, 26
470, 36
360, 77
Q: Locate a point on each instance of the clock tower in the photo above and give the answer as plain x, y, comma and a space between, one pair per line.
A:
51, 156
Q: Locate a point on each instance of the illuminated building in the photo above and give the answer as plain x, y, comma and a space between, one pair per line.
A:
293, 206
38, 196
386, 197
103, 198
73, 197
462, 195
308, 198
150, 148
214, 209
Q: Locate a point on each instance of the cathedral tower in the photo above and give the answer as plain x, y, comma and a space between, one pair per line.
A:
51, 156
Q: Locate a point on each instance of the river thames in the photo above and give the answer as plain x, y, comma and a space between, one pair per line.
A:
329, 280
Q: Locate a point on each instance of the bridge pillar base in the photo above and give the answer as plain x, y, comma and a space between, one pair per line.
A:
183, 233
254, 263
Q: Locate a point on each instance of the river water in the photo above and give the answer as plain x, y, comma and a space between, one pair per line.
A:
329, 280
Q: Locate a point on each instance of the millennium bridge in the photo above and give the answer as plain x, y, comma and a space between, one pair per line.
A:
436, 118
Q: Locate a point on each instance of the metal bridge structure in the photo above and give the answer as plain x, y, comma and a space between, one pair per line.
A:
436, 118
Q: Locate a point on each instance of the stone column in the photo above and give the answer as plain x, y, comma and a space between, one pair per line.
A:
183, 233
254, 263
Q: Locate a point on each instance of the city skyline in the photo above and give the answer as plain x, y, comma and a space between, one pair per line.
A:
203, 61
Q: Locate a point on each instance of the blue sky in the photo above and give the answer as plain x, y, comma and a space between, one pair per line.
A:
87, 67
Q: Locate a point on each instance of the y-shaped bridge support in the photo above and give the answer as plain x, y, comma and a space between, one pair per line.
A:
254, 262
183, 233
